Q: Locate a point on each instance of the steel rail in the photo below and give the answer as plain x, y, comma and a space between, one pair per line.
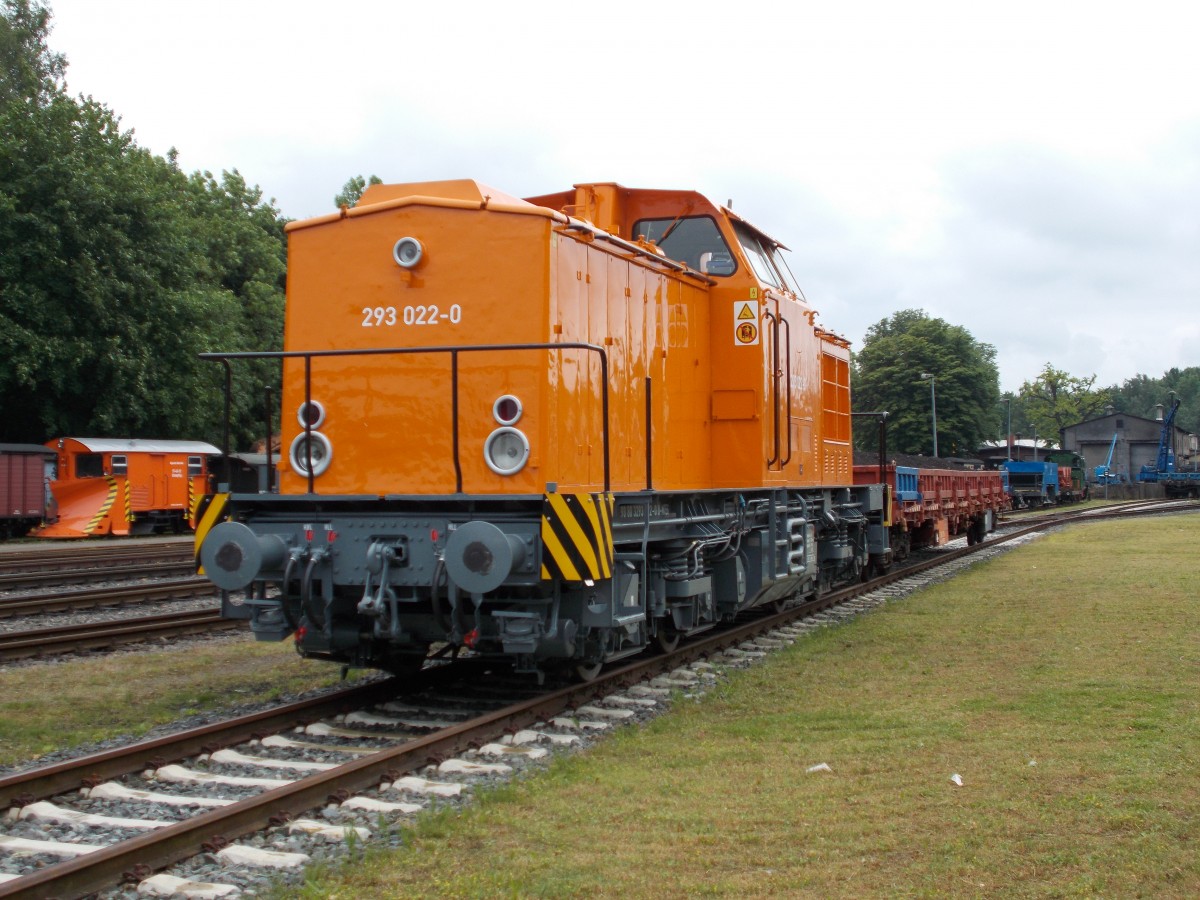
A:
102, 635
30, 785
107, 596
1014, 517
93, 555
155, 568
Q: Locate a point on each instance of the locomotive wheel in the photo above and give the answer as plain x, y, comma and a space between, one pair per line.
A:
666, 637
978, 532
586, 672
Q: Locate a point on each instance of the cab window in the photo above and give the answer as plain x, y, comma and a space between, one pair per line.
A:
781, 266
759, 257
120, 465
695, 241
195, 466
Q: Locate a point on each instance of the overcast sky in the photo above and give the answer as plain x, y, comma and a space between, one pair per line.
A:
1028, 170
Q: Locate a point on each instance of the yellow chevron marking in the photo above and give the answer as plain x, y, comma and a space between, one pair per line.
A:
104, 507
128, 502
214, 514
577, 543
599, 561
581, 540
555, 548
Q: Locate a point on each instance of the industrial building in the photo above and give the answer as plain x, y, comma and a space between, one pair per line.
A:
1131, 441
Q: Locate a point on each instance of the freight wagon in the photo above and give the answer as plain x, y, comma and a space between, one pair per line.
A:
23, 478
930, 506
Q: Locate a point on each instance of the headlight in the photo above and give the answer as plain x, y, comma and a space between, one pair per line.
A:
506, 451
318, 449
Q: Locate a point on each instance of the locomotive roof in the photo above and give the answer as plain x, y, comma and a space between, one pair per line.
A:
138, 445
460, 191
766, 238
465, 189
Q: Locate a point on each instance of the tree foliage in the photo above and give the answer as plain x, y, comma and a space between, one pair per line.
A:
1056, 399
353, 189
1139, 395
29, 72
117, 269
888, 369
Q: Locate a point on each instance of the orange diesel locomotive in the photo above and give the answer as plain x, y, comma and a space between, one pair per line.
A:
556, 430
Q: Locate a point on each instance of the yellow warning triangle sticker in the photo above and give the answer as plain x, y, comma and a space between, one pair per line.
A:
746, 312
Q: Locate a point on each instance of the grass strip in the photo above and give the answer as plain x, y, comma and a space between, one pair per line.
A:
1059, 681
63, 705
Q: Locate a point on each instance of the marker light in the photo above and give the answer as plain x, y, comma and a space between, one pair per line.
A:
506, 451
311, 414
320, 451
407, 252
507, 410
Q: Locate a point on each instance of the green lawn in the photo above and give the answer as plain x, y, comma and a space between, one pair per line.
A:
52, 707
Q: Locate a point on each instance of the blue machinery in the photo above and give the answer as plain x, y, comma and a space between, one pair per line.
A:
1176, 484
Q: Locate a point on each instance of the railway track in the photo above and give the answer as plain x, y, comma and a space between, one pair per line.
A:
41, 558
387, 740
91, 598
154, 568
359, 749
1061, 515
109, 635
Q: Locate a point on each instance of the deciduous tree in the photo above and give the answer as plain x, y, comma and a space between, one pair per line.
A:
1056, 399
1139, 395
353, 189
896, 352
29, 72
117, 269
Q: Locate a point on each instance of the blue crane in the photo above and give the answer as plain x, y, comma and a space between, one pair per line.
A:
1185, 483
1104, 473
1166, 459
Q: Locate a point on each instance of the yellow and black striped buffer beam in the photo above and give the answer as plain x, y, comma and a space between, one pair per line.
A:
209, 511
577, 541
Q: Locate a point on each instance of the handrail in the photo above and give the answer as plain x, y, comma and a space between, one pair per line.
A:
309, 355
767, 314
787, 393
